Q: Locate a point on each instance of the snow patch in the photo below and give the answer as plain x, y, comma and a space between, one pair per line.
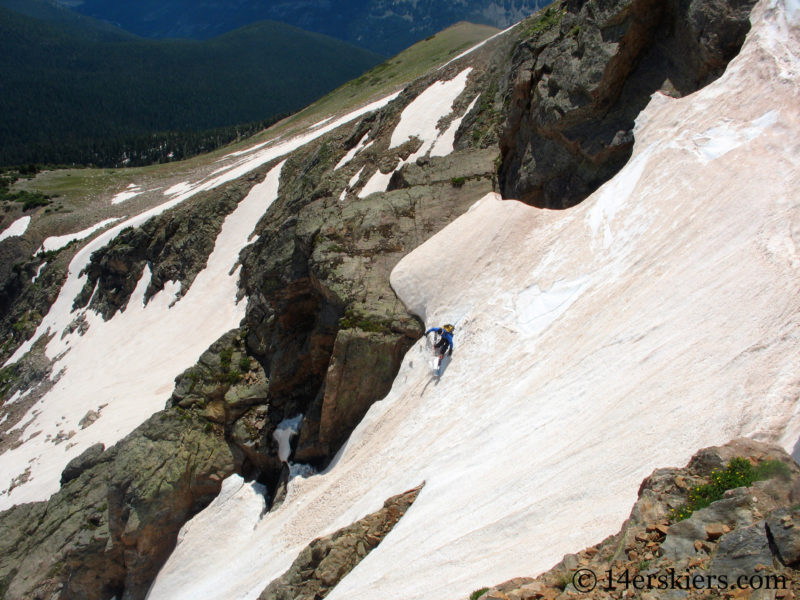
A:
536, 309
178, 188
421, 117
614, 195
354, 179
256, 159
445, 143
721, 139
39, 272
16, 229
226, 521
16, 396
377, 183
131, 191
351, 184
283, 435
57, 242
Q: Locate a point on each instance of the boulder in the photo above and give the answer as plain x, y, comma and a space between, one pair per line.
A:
744, 551
783, 527
87, 459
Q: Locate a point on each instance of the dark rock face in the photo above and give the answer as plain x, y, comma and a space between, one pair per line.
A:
229, 388
586, 71
23, 301
750, 532
325, 561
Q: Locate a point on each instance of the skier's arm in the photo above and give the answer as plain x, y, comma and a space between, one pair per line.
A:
436, 329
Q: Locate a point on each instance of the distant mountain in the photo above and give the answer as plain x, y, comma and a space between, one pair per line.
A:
70, 21
383, 26
68, 81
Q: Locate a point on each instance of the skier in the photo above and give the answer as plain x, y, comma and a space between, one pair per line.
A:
445, 343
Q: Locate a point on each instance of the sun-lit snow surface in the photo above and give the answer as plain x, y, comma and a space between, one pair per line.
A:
124, 369
283, 435
131, 191
56, 242
362, 143
16, 229
592, 345
420, 119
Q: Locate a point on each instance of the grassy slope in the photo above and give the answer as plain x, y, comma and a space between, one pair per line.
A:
393, 74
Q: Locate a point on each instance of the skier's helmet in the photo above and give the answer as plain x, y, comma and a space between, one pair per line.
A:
449, 328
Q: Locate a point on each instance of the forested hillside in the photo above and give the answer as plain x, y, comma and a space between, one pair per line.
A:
69, 96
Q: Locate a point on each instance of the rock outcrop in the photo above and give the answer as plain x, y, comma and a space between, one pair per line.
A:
116, 518
584, 74
743, 545
325, 561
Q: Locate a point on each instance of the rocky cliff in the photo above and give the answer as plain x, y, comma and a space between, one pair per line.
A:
547, 112
588, 69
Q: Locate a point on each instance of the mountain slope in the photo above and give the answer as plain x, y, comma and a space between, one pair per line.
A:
63, 89
647, 340
590, 342
67, 20
381, 26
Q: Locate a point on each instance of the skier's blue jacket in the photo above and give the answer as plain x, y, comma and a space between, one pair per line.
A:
445, 335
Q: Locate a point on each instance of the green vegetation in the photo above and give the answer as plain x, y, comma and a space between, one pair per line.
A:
544, 20
8, 375
71, 98
244, 364
29, 199
352, 319
225, 359
27, 324
458, 181
478, 593
563, 580
227, 374
488, 120
740, 472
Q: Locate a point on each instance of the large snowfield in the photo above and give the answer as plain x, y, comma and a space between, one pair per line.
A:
592, 345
